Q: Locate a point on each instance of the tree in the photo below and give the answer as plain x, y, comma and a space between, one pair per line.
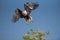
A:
32, 35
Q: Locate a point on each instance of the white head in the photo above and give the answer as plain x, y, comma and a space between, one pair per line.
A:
25, 13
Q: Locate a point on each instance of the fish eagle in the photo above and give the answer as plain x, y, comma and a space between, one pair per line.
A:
29, 7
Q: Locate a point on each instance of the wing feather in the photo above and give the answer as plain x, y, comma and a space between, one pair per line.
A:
17, 15
27, 8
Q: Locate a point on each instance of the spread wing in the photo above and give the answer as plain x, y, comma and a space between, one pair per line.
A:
29, 6
17, 15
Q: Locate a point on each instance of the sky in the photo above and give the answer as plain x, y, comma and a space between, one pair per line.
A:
45, 17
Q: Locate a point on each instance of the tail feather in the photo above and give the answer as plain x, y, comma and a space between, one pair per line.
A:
28, 18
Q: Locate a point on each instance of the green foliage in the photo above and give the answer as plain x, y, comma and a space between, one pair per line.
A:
32, 35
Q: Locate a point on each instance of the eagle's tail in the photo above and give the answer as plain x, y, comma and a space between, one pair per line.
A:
28, 18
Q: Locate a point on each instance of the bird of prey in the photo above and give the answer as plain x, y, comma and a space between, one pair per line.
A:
29, 7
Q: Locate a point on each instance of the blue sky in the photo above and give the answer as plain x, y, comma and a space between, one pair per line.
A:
45, 17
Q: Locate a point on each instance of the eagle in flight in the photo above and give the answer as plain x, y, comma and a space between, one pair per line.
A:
29, 7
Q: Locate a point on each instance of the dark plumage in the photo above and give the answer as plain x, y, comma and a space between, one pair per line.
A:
29, 6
